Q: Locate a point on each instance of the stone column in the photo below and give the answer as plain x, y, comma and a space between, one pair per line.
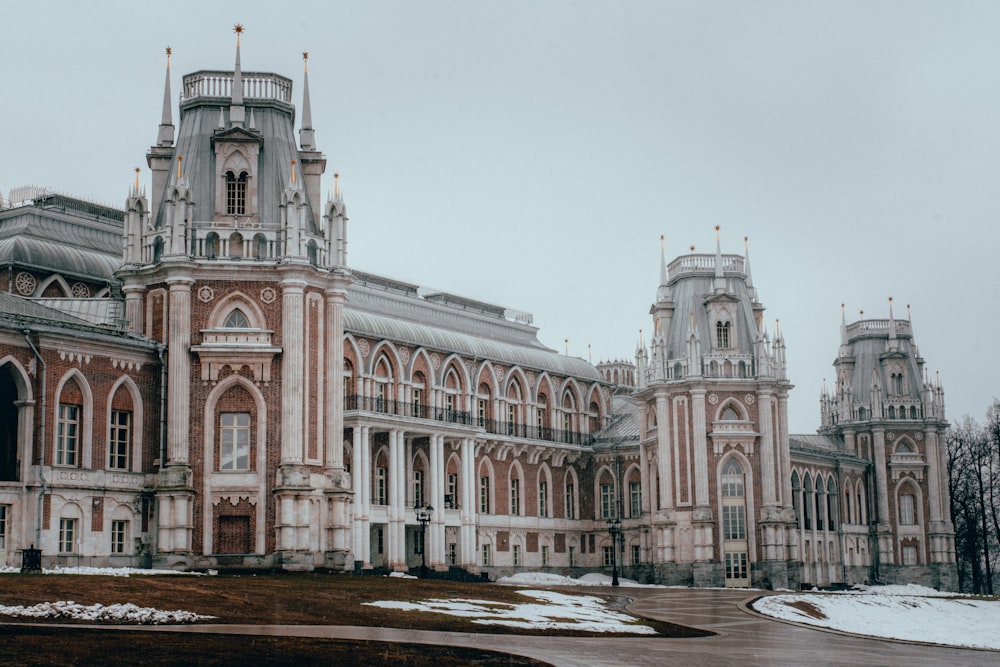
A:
396, 558
435, 546
135, 306
292, 371
467, 483
664, 452
700, 447
179, 368
886, 552
767, 453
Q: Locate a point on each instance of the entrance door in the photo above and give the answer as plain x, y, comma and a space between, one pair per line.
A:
734, 525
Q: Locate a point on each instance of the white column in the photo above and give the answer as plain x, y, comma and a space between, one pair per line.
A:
179, 365
366, 496
335, 377
933, 474
664, 453
698, 426
767, 454
467, 482
435, 546
292, 371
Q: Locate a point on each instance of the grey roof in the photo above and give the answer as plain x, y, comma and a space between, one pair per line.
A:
27, 309
624, 426
273, 121
104, 312
64, 236
868, 351
827, 444
689, 290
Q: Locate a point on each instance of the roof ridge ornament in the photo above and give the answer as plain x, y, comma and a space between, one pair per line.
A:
237, 114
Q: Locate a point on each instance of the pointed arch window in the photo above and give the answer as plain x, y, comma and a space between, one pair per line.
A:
236, 193
237, 319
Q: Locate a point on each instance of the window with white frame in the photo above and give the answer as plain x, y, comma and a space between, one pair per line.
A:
234, 441
453, 553
607, 554
636, 554
451, 500
907, 509
909, 554
418, 488
517, 555
487, 556
380, 486
515, 496
570, 501
607, 501
484, 494
68, 435
67, 536
120, 440
545, 555
119, 536
635, 498
543, 498
572, 556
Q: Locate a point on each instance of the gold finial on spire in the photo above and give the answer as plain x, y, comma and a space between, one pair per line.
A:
908, 311
293, 171
692, 248
137, 179
305, 61
238, 29
170, 52
661, 241
717, 232
566, 344
862, 314
336, 184
640, 337
180, 172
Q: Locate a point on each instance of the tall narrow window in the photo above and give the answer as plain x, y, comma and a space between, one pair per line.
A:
4, 509
636, 554
67, 536
543, 498
380, 489
515, 496
236, 193
68, 438
572, 556
734, 525
570, 501
484, 495
234, 444
635, 498
487, 556
120, 440
418, 488
418, 398
907, 513
722, 335
607, 501
119, 536
545, 555
450, 500
517, 555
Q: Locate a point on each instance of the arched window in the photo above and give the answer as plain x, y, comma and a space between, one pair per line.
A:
730, 414
237, 319
796, 498
236, 193
312, 252
907, 509
259, 246
235, 244
211, 245
594, 418
157, 248
831, 504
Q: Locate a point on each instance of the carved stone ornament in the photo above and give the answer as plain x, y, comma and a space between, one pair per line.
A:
268, 295
713, 399
890, 436
435, 361
748, 399
80, 291
206, 294
918, 435
25, 283
363, 347
404, 355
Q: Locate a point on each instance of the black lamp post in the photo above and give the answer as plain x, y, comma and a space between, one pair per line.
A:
424, 514
615, 529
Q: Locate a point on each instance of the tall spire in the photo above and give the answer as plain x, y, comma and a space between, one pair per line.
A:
663, 293
237, 114
307, 136
165, 137
893, 343
720, 277
746, 247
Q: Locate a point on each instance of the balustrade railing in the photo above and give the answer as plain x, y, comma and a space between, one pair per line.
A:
356, 402
256, 85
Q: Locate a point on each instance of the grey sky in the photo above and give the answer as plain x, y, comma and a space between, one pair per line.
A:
531, 153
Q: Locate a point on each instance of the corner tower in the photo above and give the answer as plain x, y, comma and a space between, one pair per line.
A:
239, 273
890, 414
714, 428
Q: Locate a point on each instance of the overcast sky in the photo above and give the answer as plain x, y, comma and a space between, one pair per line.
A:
531, 153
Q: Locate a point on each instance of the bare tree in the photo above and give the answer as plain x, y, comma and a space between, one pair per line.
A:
974, 481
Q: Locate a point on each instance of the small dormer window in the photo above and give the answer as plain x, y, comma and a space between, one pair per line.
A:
236, 193
722, 335
236, 320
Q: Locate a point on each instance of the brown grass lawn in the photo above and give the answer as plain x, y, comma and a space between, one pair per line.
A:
315, 599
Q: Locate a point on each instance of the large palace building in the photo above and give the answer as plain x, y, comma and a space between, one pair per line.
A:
201, 380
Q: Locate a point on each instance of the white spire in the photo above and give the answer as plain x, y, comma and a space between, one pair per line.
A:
165, 137
307, 136
237, 114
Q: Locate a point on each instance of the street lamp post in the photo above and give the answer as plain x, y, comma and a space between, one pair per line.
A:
615, 529
424, 514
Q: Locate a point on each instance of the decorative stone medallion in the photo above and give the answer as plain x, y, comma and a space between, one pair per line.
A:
404, 355
268, 295
435, 361
890, 436
363, 347
25, 283
206, 294
80, 291
713, 399
749, 399
918, 435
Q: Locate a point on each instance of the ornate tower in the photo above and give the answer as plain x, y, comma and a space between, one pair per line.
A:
240, 273
891, 415
714, 428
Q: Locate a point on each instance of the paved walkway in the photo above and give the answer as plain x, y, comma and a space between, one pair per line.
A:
743, 638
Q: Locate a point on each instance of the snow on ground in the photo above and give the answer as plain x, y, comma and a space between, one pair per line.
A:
912, 613
119, 613
546, 579
552, 611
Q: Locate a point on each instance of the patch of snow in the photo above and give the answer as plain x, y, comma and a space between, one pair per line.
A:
401, 575
553, 611
911, 613
119, 613
547, 579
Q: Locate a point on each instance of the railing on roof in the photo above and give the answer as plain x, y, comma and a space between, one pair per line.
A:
256, 85
877, 328
704, 263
